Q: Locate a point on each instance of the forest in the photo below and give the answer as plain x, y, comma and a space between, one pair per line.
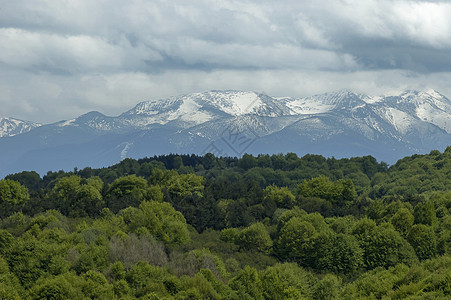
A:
204, 227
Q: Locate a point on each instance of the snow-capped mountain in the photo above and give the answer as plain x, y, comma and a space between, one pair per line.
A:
429, 106
11, 126
198, 108
229, 123
402, 112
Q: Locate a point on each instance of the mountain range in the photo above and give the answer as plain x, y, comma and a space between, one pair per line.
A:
230, 123
12, 127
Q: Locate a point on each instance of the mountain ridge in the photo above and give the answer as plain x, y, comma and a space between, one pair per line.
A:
12, 126
239, 121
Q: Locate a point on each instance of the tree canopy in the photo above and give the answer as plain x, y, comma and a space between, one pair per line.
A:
206, 227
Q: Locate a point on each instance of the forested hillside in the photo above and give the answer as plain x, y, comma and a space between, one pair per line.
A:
203, 227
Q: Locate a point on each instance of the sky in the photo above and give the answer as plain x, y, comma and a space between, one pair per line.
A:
62, 58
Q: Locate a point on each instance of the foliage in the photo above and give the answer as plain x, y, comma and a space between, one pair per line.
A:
159, 219
13, 196
423, 240
254, 237
281, 196
385, 247
256, 227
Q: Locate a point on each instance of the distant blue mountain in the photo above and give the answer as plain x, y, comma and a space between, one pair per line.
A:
230, 123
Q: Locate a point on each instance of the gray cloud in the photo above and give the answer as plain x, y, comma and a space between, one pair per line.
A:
59, 59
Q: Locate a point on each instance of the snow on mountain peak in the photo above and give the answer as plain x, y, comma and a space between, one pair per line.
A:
337, 123
194, 109
372, 99
11, 126
426, 105
154, 107
238, 103
421, 96
321, 103
198, 108
341, 98
234, 103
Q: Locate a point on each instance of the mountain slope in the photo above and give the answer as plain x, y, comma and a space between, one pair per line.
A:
230, 123
11, 126
429, 106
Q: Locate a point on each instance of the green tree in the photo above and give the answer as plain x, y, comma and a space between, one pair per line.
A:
65, 192
402, 221
160, 219
320, 187
424, 213
384, 247
126, 191
145, 279
8, 292
423, 240
92, 257
326, 288
363, 228
117, 270
121, 288
255, 237
247, 284
376, 284
10, 287
177, 162
89, 200
297, 240
209, 161
341, 193
13, 196
247, 162
154, 193
6, 239
338, 253
185, 185
341, 224
54, 288
281, 196
95, 286
12, 192
229, 235
348, 193
30, 179
77, 196
127, 166
286, 215
286, 281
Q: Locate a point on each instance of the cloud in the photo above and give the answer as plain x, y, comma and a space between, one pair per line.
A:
81, 55
78, 53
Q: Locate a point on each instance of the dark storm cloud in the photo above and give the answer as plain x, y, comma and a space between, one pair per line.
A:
107, 55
